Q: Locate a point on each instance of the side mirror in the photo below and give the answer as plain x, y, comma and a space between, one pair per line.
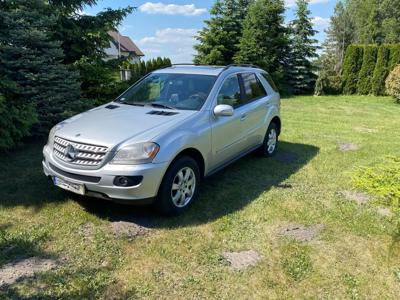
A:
223, 110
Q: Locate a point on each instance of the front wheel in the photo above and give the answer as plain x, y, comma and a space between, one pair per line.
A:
179, 187
270, 143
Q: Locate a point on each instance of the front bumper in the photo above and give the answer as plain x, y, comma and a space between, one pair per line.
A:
105, 188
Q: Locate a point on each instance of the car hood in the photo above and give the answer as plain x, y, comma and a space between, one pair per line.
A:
111, 127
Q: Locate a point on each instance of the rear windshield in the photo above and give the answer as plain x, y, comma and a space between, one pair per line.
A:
175, 91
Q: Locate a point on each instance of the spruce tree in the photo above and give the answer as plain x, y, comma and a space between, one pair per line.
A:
264, 41
300, 71
31, 64
219, 39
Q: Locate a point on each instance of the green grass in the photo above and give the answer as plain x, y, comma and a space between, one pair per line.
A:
357, 255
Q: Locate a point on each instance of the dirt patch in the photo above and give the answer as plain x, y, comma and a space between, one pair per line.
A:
242, 260
87, 231
128, 230
26, 268
286, 157
347, 146
384, 212
301, 233
358, 197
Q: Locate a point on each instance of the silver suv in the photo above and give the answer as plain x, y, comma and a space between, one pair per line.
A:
172, 128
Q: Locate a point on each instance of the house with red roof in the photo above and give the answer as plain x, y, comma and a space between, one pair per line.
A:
121, 45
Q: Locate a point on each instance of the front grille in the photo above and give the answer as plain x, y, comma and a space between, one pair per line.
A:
85, 154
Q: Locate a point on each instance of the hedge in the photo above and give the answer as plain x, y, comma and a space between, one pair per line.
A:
364, 86
381, 70
351, 68
394, 59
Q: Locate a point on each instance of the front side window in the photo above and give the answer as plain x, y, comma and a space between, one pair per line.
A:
253, 88
230, 92
175, 91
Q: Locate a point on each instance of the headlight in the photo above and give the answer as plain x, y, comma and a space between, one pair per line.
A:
142, 153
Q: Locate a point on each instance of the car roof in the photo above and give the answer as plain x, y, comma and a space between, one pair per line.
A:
205, 69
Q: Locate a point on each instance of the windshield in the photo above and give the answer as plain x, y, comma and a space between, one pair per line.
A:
171, 91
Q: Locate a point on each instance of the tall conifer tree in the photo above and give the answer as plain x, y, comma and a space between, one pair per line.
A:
264, 41
220, 37
300, 71
31, 64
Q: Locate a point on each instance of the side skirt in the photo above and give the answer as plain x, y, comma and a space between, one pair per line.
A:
224, 165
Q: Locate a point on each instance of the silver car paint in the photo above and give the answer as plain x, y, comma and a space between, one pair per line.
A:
218, 139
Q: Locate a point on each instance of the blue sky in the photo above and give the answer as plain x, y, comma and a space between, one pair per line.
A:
166, 27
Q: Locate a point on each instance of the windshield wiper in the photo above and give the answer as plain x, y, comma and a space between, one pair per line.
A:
130, 103
160, 105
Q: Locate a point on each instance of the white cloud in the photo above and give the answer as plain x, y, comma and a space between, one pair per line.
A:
175, 43
291, 3
171, 9
320, 22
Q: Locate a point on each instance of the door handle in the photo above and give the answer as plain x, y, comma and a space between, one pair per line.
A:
243, 117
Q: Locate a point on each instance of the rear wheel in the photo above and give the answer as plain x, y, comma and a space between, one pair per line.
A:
179, 187
270, 143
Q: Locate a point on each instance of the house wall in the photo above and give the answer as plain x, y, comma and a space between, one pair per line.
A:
112, 53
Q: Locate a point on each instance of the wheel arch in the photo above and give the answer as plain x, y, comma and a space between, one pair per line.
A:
278, 123
196, 155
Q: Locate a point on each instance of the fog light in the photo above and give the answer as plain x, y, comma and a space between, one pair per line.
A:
126, 181
123, 181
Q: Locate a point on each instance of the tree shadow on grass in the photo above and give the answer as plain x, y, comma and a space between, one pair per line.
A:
22, 181
221, 194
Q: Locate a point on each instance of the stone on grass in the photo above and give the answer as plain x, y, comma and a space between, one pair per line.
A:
128, 229
18, 270
242, 260
347, 146
358, 197
364, 129
385, 212
301, 233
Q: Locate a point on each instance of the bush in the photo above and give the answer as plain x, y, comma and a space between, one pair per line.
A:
328, 85
351, 68
382, 180
381, 70
364, 86
393, 83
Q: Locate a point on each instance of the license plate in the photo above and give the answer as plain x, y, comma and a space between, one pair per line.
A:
69, 186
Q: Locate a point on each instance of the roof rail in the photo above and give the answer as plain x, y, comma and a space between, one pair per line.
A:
242, 65
191, 64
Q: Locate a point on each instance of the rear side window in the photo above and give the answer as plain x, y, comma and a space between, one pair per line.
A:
253, 88
230, 92
268, 78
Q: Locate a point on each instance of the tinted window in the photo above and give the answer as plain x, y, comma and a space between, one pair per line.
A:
180, 91
268, 78
252, 87
230, 92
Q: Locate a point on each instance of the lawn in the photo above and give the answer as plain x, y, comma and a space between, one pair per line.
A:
355, 253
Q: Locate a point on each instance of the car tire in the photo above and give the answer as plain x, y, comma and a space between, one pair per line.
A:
270, 143
179, 187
